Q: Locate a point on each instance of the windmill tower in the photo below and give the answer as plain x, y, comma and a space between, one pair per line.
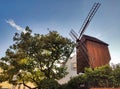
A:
91, 52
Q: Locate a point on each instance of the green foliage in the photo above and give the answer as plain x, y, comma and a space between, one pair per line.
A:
64, 86
75, 82
104, 76
33, 58
49, 84
116, 74
100, 77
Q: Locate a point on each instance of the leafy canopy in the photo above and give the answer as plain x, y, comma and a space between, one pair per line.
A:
33, 58
99, 77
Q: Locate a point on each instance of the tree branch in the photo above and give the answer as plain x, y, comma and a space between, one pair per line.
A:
28, 86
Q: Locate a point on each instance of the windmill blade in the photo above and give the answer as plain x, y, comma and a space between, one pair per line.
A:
83, 46
88, 18
73, 34
94, 10
83, 50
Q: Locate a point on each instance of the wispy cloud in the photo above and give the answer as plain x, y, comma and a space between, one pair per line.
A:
98, 35
12, 23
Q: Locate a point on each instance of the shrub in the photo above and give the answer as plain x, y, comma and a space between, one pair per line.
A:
49, 84
75, 82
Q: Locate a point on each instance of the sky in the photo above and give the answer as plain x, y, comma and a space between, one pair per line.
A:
61, 16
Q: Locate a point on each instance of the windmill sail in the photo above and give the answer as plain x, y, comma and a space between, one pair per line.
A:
73, 34
88, 18
83, 59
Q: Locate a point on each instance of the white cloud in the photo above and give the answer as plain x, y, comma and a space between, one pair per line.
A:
12, 23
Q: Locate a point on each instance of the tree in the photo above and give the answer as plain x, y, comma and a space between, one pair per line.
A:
116, 74
77, 82
33, 58
100, 76
50, 84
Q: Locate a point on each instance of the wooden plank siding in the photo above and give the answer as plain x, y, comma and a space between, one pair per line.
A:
96, 53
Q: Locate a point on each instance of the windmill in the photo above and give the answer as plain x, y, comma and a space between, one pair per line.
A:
87, 49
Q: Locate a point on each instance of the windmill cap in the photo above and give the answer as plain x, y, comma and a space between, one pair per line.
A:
90, 38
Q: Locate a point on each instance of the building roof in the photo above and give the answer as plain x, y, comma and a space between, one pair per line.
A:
90, 38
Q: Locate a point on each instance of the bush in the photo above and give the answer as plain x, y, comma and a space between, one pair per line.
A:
103, 76
49, 84
63, 86
75, 82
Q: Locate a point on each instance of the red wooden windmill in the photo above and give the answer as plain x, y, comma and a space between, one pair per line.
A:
91, 52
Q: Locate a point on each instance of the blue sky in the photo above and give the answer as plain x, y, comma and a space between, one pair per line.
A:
62, 16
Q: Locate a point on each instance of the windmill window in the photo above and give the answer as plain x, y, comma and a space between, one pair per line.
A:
74, 66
